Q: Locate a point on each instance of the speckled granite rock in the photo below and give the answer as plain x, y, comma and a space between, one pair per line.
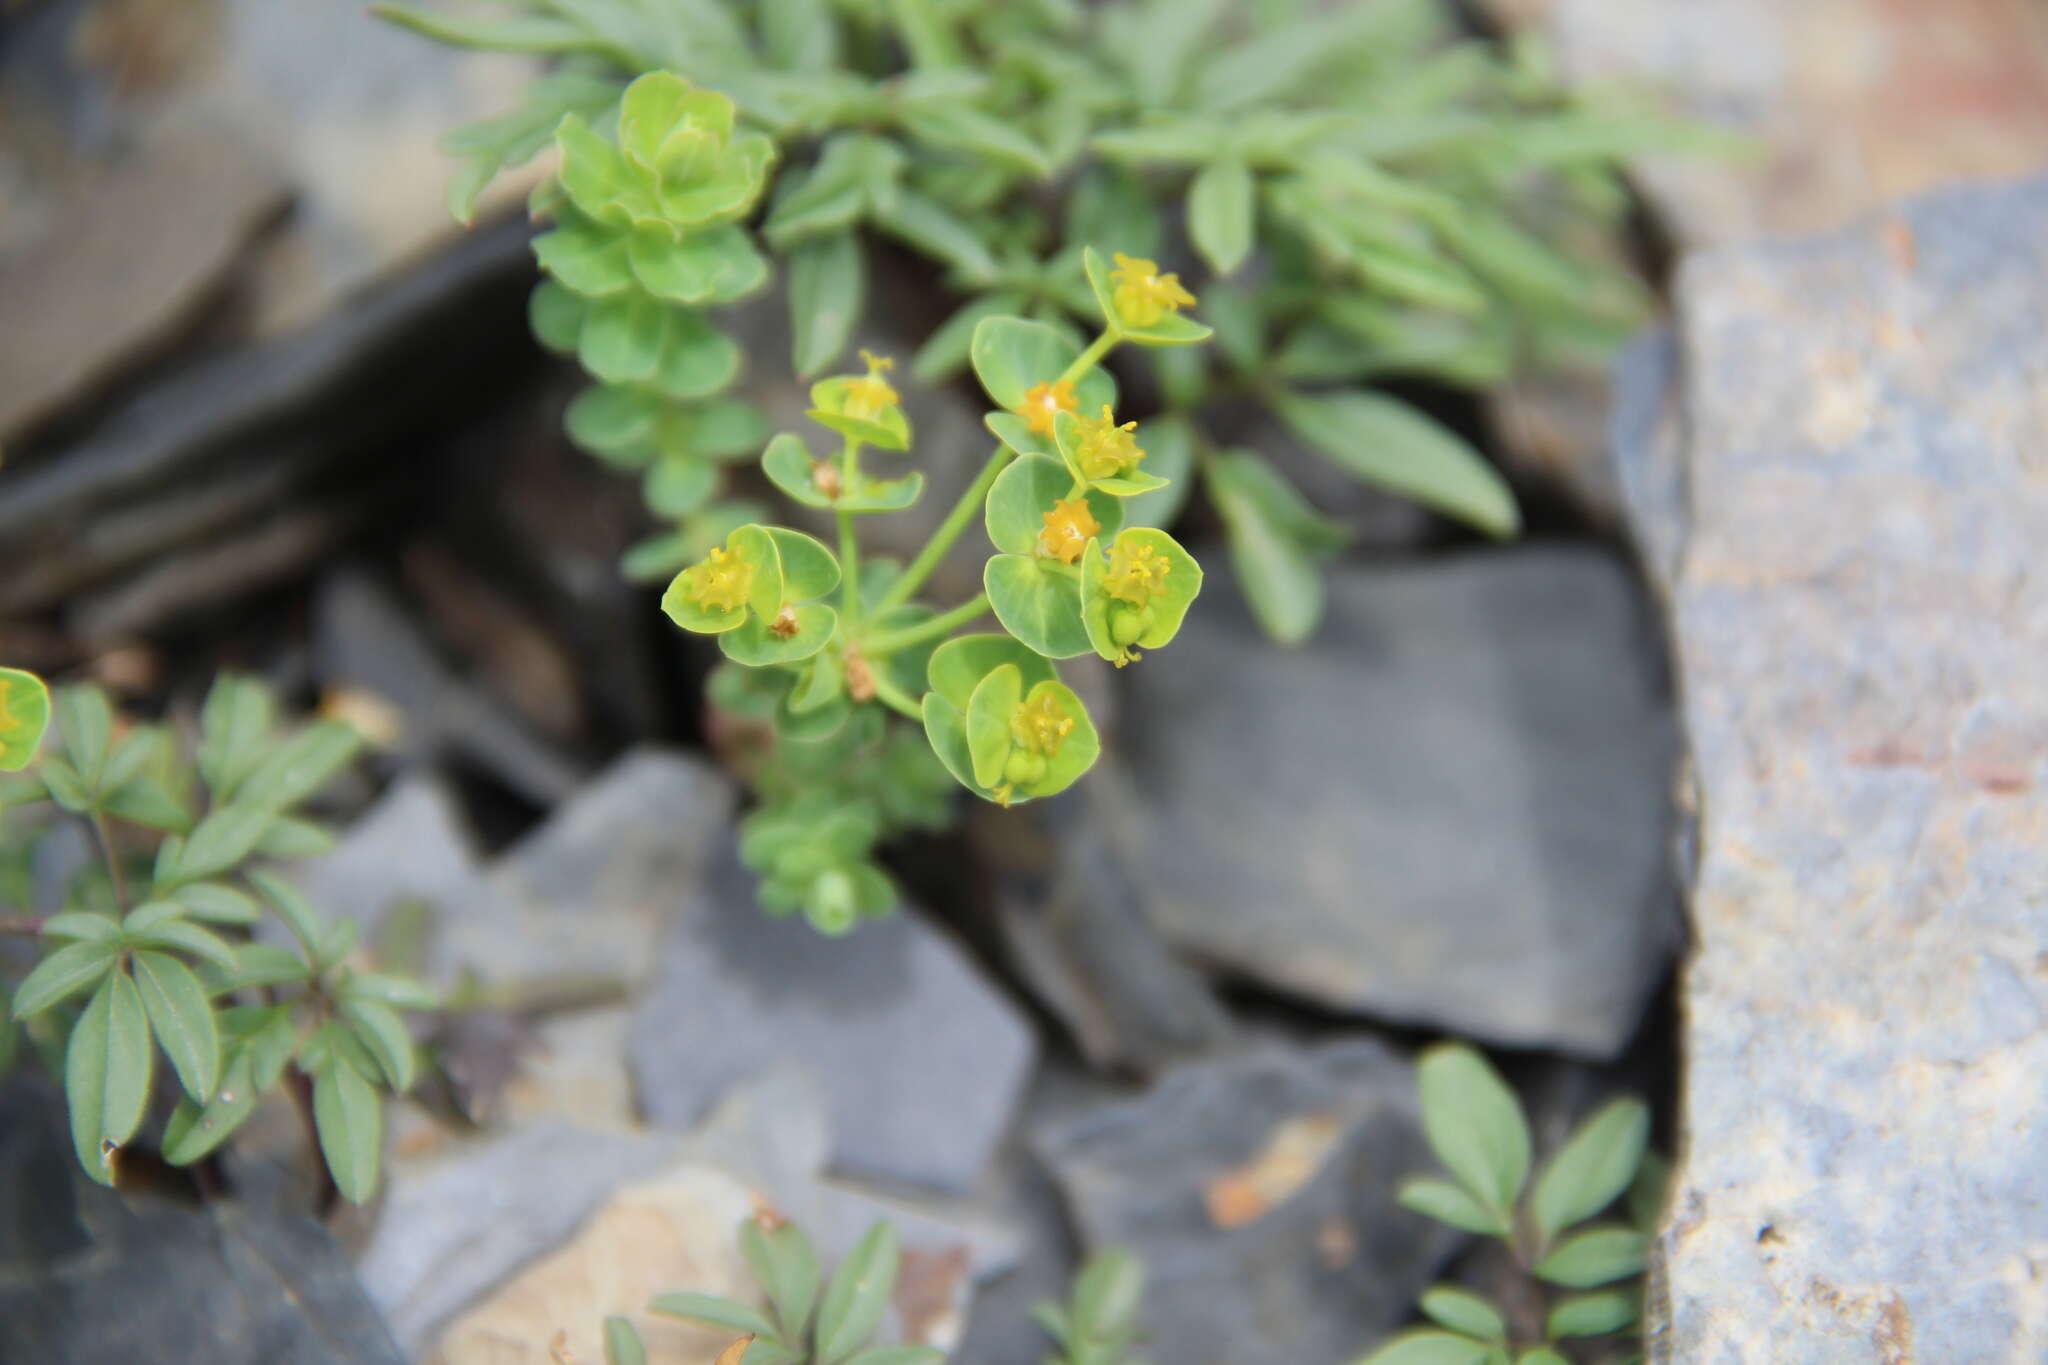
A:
1861, 621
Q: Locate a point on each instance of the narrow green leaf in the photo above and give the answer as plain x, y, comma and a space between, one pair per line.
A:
217, 903
233, 724
858, 1294
1463, 1311
182, 1019
1596, 1256
521, 33
303, 765
1474, 1123
291, 906
1450, 1203
221, 841
193, 1131
726, 1313
1428, 1346
397, 991
1385, 442
86, 721
1220, 214
378, 1028
622, 1342
1275, 568
787, 1267
827, 283
190, 938
1107, 1291
1592, 1168
83, 926
350, 1120
106, 1074
64, 974
1595, 1314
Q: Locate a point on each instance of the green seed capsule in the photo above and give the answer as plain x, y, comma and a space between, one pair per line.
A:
1024, 768
1126, 624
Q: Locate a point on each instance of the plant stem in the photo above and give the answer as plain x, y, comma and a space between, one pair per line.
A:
301, 1087
114, 873
28, 926
1091, 357
949, 531
849, 543
942, 624
893, 697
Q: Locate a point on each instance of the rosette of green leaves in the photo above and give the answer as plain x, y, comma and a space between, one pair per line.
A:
647, 237
173, 975
775, 619
1476, 1127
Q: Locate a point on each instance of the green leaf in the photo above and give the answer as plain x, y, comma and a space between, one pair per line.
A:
1463, 1311
1011, 356
233, 725
221, 841
988, 723
677, 485
755, 644
82, 926
1646, 1193
784, 1262
1275, 569
962, 127
521, 33
290, 905
398, 991
383, 1035
182, 1019
1592, 1168
1427, 1346
589, 258
556, 316
808, 567
265, 964
1112, 209
306, 763
145, 800
898, 1355
697, 360
1541, 1355
1220, 214
623, 337
1108, 1290
1450, 1203
854, 1301
1596, 1256
1384, 442
24, 716
1025, 492
726, 1313
1169, 455
933, 229
190, 938
106, 1074
290, 838
1039, 602
958, 666
350, 1119
63, 974
1474, 1124
1595, 1314
66, 788
788, 464
827, 283
86, 721
717, 265
193, 1132
216, 902
622, 1342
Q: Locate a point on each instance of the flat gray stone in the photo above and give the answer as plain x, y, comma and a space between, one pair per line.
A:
1259, 1192
1861, 622
1451, 808
921, 1058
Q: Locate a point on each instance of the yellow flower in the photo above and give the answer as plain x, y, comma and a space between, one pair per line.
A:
868, 396
1041, 726
1068, 528
1044, 402
1142, 294
721, 582
1105, 450
1137, 574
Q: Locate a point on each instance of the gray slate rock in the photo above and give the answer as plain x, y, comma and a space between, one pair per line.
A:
921, 1058
1329, 1265
1451, 808
1861, 621
90, 1278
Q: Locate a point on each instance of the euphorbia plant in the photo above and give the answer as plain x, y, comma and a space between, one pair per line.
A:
834, 641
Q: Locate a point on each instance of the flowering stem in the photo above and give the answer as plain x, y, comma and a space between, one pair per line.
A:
1091, 357
942, 624
949, 531
893, 697
849, 544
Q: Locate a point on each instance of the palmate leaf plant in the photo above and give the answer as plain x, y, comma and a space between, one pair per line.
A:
155, 959
1372, 194
1591, 1270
